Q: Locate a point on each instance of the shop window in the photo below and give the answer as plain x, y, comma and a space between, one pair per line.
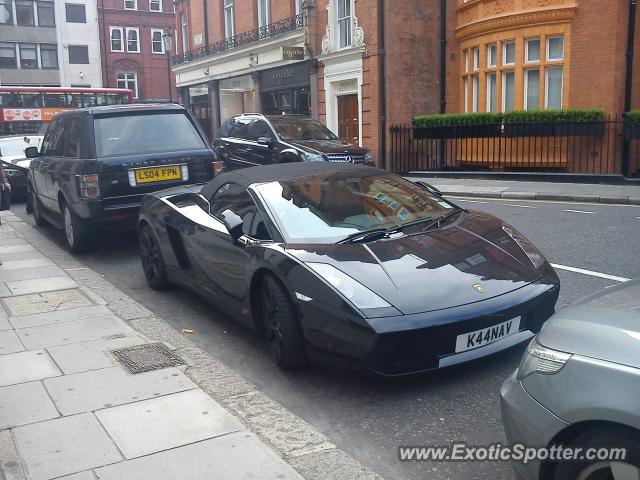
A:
28, 56
508, 91
133, 40
78, 54
344, 23
555, 48
532, 50
6, 12
531, 89
49, 56
553, 87
508, 53
8, 55
116, 39
128, 80
491, 92
75, 13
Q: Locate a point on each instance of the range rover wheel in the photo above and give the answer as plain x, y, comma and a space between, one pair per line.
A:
75, 232
152, 262
36, 208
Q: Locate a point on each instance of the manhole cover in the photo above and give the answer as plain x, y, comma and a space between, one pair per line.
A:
148, 357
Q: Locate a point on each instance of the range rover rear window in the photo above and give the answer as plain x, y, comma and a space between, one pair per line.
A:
129, 134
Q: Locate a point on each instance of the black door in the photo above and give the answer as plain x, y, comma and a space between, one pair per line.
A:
52, 152
258, 152
236, 145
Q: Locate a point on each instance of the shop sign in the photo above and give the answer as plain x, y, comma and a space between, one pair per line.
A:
293, 53
296, 74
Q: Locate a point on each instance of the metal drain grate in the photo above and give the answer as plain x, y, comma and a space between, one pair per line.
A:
148, 357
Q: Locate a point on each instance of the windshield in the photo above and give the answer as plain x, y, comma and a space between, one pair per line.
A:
292, 128
137, 134
328, 208
13, 147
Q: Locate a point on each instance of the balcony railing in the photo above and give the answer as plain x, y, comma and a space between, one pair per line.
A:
272, 30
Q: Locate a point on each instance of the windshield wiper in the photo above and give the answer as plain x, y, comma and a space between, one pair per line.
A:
369, 235
433, 222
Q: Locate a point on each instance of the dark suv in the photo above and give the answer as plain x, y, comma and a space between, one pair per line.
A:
253, 139
95, 164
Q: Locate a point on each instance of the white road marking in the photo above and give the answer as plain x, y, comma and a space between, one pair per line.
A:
579, 211
519, 206
590, 272
475, 201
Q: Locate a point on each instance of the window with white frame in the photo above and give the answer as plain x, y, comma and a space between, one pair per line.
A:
508, 53
133, 40
115, 35
491, 92
128, 80
555, 48
531, 89
474, 94
492, 55
476, 59
157, 45
508, 91
465, 87
228, 18
299, 6
343, 20
532, 50
184, 33
130, 4
553, 85
263, 13
155, 5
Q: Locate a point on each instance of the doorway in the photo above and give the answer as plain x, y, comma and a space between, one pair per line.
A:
348, 119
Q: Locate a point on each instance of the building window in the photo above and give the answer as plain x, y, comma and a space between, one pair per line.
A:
128, 80
474, 94
115, 34
8, 55
78, 54
531, 89
263, 13
228, 18
46, 17
130, 4
492, 55
466, 61
28, 56
184, 33
555, 48
49, 56
157, 45
133, 40
553, 84
25, 16
344, 23
476, 59
75, 13
508, 91
6, 12
508, 53
155, 5
298, 6
532, 50
465, 86
491, 92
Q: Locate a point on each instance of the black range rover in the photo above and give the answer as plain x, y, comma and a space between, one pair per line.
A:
95, 164
249, 140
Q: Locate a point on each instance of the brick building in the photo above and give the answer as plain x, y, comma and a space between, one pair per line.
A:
132, 48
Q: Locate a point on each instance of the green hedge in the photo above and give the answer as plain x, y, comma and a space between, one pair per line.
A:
554, 116
632, 118
451, 119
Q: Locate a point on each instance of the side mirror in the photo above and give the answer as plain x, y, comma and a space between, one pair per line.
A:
268, 141
429, 188
31, 152
233, 222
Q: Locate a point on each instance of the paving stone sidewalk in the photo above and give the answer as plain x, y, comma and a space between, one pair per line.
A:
69, 409
526, 190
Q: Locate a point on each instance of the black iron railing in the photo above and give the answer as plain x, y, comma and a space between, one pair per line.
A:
272, 30
589, 148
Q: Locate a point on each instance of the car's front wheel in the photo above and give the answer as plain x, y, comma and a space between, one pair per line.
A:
603, 440
75, 231
152, 262
281, 324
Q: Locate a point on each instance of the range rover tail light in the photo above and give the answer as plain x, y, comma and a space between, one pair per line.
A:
89, 186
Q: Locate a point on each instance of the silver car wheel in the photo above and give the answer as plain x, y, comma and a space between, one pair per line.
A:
610, 470
68, 226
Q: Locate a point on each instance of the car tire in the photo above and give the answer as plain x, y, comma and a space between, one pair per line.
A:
75, 231
36, 209
603, 437
281, 324
152, 263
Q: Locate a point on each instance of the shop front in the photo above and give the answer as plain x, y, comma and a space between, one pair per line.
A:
286, 90
199, 102
237, 95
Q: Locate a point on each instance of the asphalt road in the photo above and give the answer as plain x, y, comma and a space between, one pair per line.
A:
370, 418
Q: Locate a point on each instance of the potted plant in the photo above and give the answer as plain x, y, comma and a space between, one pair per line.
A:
469, 125
632, 125
549, 123
580, 123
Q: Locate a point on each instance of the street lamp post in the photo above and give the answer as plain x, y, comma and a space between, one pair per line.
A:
167, 40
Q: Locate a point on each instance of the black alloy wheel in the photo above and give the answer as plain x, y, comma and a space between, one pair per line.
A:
152, 262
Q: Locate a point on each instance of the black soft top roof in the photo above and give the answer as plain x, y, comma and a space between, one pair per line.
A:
271, 173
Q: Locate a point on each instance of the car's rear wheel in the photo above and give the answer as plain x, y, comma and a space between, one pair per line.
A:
75, 231
605, 438
281, 324
152, 262
36, 209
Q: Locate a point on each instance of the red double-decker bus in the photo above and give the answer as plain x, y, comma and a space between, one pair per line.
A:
25, 110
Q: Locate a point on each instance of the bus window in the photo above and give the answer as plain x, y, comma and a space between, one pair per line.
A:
74, 100
122, 98
31, 100
55, 100
89, 99
101, 99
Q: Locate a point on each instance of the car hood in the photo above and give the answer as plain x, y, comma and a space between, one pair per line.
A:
330, 146
434, 270
605, 325
18, 162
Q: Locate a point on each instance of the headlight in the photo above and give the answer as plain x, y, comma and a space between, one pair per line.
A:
539, 359
355, 292
313, 157
368, 158
532, 252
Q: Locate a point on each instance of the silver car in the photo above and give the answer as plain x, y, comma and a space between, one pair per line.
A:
578, 385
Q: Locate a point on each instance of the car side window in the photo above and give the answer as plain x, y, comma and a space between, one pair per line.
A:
234, 197
72, 145
55, 145
241, 128
259, 128
225, 128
